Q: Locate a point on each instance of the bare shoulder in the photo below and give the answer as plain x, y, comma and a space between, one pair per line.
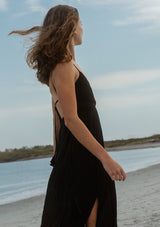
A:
65, 66
64, 71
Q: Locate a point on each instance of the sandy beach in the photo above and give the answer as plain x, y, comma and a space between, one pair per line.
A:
137, 198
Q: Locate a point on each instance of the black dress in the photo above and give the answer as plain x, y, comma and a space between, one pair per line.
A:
78, 177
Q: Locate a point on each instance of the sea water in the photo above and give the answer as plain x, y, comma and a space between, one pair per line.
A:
25, 179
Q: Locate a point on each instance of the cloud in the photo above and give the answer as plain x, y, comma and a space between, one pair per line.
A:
144, 12
141, 12
128, 101
3, 5
124, 79
35, 6
128, 89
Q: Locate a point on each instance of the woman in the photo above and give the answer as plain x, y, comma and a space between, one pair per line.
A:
81, 188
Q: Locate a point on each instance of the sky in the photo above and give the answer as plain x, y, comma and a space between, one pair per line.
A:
120, 56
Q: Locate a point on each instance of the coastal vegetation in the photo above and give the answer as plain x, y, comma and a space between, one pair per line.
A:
26, 153
132, 141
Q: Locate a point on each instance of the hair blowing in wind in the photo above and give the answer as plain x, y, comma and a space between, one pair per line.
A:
51, 44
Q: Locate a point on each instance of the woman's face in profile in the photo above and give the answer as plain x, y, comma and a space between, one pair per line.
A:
78, 33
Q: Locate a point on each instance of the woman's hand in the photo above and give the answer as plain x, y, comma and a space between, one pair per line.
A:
114, 170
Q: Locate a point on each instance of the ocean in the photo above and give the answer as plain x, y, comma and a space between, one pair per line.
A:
24, 179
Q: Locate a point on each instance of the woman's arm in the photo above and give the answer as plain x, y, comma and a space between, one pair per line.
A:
65, 86
63, 77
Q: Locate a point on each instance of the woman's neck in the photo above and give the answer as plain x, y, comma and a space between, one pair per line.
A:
72, 52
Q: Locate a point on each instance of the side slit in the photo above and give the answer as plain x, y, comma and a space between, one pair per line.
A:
92, 220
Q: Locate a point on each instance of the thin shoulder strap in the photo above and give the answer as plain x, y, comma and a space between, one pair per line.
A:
76, 67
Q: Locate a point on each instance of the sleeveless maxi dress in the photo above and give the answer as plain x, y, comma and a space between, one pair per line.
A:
78, 177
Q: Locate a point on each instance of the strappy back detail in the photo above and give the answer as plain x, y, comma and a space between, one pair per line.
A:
58, 111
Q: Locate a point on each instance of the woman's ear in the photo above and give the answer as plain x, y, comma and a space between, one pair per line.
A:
74, 34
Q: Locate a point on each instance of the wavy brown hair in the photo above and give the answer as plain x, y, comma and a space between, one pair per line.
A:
51, 45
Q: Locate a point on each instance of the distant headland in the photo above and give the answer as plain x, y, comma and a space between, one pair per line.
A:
27, 153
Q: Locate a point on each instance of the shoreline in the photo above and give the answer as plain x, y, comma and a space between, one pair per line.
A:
135, 197
108, 149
